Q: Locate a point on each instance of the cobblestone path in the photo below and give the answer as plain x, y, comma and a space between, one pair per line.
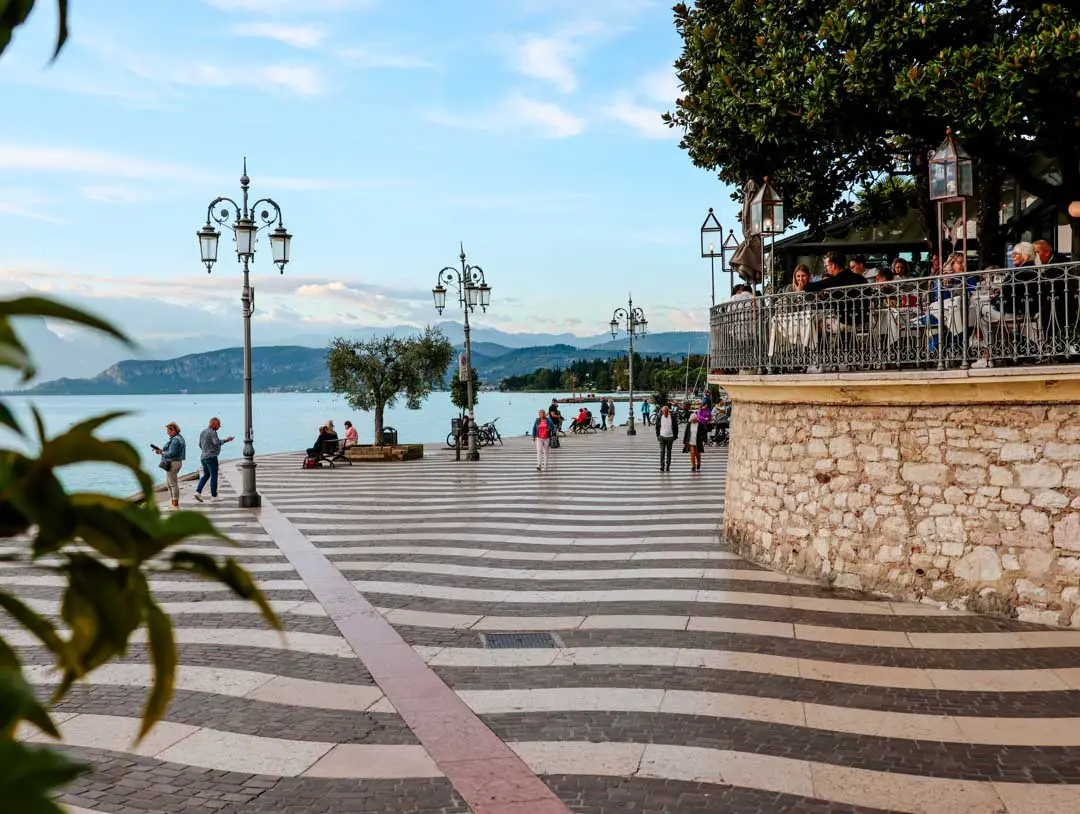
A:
678, 676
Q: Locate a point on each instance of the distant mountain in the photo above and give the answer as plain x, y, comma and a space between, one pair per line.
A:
296, 368
670, 343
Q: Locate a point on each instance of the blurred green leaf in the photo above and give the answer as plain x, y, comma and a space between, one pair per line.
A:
39, 626
163, 655
7, 419
232, 574
29, 776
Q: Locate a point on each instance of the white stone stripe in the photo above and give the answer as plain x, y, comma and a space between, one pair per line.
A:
427, 591
239, 552
314, 643
537, 556
901, 725
251, 684
1048, 680
250, 754
860, 787
51, 607
556, 575
482, 525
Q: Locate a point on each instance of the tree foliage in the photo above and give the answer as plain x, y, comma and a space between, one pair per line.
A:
459, 391
14, 13
104, 548
827, 96
374, 374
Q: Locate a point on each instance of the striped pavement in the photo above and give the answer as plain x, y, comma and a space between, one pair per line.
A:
680, 677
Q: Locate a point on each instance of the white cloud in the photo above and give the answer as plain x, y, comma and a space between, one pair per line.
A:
517, 112
76, 160
25, 203
381, 56
296, 35
115, 193
548, 58
641, 109
645, 120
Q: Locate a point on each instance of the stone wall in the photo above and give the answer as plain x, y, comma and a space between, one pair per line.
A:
974, 506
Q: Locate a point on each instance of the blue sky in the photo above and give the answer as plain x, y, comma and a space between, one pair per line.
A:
388, 130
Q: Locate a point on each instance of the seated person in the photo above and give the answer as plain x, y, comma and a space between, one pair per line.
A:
582, 419
352, 437
325, 434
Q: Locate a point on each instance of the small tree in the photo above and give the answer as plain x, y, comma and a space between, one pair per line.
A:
459, 391
372, 375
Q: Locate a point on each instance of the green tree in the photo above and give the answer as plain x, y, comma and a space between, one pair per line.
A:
372, 375
104, 548
826, 98
14, 13
459, 391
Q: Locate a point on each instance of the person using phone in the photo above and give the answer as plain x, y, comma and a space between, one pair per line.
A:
172, 458
209, 450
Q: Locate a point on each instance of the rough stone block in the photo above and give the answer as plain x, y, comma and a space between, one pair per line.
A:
979, 565
1001, 476
1040, 475
1067, 533
1017, 452
1019, 497
1034, 520
1032, 592
937, 474
1050, 499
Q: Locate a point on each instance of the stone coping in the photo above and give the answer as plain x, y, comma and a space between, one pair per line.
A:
1044, 384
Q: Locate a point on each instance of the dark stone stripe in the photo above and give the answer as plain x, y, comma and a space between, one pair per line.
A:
466, 541
547, 565
1019, 659
629, 512
628, 585
287, 663
165, 595
244, 716
957, 761
131, 784
568, 533
973, 703
293, 623
586, 794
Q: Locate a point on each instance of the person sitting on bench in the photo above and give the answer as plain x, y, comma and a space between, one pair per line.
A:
325, 434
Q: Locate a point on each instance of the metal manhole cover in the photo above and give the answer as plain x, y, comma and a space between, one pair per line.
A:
500, 641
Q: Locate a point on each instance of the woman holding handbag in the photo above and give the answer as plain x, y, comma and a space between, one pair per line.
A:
172, 458
694, 437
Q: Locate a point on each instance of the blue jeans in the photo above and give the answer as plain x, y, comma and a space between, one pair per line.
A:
209, 473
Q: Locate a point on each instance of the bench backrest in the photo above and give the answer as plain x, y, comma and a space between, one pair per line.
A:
329, 447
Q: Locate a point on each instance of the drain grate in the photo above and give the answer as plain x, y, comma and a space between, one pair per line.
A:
502, 641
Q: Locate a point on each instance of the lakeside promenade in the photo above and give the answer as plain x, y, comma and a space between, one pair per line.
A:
678, 678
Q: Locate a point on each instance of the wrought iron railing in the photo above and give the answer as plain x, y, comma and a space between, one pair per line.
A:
1022, 316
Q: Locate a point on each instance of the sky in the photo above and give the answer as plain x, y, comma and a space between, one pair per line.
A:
387, 130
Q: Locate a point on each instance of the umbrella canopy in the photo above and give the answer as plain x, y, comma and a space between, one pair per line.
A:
747, 260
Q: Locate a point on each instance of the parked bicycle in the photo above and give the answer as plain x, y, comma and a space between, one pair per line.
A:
487, 435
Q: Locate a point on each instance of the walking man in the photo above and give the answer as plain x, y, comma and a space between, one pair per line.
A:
209, 449
667, 429
603, 413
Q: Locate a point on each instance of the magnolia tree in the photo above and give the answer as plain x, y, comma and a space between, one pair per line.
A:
828, 98
373, 375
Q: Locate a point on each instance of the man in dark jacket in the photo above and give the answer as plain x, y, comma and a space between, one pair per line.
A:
603, 413
851, 305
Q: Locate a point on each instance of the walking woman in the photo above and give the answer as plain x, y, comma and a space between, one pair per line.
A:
694, 437
542, 432
172, 458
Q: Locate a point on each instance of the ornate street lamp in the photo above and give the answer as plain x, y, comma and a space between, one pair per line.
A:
767, 219
712, 246
952, 180
636, 325
245, 221
473, 291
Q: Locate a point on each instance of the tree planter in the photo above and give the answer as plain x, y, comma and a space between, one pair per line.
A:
395, 452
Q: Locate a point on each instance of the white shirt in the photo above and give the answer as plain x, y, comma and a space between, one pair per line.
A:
666, 430
693, 432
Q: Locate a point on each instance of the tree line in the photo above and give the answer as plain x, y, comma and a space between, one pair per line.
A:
651, 374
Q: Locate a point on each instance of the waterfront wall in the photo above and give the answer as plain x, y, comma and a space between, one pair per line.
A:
893, 489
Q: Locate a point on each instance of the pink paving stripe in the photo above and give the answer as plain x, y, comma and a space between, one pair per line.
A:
483, 769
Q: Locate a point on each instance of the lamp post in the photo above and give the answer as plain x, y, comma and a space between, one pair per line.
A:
712, 243
636, 324
951, 181
767, 218
245, 221
473, 290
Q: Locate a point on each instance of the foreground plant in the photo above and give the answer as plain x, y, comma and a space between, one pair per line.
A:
104, 548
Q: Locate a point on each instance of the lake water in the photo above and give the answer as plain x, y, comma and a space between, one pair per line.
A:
283, 422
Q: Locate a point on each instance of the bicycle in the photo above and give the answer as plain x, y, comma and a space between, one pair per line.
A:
488, 434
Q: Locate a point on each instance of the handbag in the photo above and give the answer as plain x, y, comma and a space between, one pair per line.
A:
166, 465
685, 448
